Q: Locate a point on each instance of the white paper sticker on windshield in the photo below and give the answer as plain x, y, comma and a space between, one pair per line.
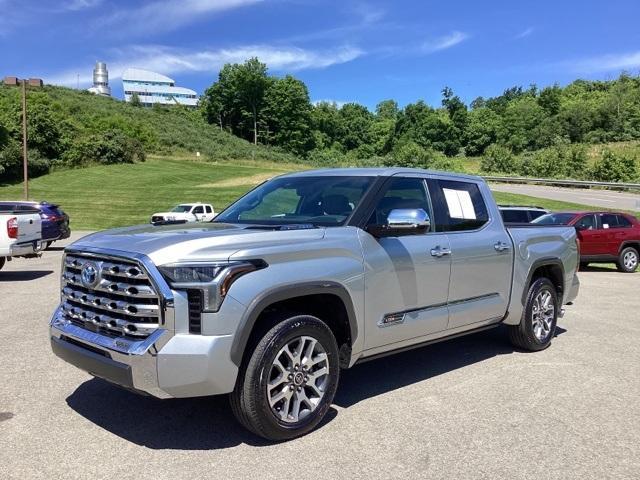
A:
459, 204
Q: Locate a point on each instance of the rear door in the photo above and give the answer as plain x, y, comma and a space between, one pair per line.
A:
615, 229
481, 251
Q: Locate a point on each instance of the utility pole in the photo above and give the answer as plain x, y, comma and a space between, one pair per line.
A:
25, 159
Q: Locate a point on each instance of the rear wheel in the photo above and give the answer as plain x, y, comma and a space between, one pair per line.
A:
287, 385
538, 323
628, 260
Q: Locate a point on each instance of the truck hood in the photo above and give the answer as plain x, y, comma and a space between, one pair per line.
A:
194, 242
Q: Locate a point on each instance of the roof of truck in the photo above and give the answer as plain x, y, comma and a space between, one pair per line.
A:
374, 172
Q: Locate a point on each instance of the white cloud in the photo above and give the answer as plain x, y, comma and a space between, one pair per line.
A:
166, 15
170, 61
604, 63
442, 43
525, 33
75, 5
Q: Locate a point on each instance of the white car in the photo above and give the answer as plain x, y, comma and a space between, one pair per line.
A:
20, 232
186, 212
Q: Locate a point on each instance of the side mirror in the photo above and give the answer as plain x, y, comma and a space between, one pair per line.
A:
403, 221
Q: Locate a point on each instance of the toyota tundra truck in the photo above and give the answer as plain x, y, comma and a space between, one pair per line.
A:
305, 275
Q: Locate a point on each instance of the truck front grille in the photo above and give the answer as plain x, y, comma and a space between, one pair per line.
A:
109, 296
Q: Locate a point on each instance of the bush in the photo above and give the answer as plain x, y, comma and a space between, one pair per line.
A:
326, 157
615, 168
411, 155
499, 159
110, 148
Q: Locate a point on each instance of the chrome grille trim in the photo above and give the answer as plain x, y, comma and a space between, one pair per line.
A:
123, 303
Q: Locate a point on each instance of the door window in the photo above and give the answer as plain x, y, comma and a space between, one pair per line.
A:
459, 206
401, 193
588, 222
198, 210
610, 220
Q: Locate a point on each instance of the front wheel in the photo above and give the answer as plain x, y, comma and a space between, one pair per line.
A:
287, 385
628, 260
538, 323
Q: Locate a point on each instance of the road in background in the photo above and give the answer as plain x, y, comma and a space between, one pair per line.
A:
598, 198
468, 408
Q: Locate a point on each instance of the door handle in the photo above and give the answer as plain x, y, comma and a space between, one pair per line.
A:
440, 252
502, 246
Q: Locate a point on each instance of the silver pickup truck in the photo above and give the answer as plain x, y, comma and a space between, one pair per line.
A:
307, 274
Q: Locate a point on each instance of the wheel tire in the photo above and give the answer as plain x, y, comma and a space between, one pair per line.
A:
47, 245
250, 399
524, 334
584, 265
2, 262
628, 260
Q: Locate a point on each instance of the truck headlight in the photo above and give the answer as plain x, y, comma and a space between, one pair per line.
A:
212, 279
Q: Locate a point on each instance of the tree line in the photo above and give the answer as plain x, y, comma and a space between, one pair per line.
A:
250, 103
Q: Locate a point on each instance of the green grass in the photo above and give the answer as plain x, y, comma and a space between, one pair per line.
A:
106, 196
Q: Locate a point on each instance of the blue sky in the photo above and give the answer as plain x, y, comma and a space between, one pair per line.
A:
348, 50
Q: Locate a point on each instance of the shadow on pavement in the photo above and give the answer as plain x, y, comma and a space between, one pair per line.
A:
207, 423
23, 276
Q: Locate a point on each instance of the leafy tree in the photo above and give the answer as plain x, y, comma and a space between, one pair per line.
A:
252, 83
387, 110
550, 99
428, 128
287, 113
355, 121
481, 131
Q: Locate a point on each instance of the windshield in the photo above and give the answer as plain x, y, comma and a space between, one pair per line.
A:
319, 201
555, 219
182, 209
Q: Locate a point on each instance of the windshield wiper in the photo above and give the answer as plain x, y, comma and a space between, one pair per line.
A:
287, 226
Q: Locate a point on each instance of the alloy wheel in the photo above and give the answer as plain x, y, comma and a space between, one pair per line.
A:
630, 260
298, 378
543, 314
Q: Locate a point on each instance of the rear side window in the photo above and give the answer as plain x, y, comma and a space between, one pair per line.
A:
611, 220
198, 210
208, 209
515, 216
459, 206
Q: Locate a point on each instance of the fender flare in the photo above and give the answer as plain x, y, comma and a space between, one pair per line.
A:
286, 292
629, 243
542, 262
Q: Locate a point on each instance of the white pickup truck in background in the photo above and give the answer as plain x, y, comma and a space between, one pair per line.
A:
20, 232
185, 212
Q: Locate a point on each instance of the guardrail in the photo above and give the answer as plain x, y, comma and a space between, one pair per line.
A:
566, 183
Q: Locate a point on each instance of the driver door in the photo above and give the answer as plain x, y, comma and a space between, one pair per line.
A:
406, 276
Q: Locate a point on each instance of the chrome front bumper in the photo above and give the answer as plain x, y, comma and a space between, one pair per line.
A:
164, 365
139, 356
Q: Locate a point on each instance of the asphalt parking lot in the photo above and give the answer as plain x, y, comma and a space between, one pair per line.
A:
468, 408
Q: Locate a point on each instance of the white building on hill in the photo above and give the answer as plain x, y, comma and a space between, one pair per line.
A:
155, 88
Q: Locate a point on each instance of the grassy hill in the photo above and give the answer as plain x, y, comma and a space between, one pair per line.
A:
78, 115
106, 196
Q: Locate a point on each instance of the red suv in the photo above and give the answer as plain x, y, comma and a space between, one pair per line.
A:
605, 237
